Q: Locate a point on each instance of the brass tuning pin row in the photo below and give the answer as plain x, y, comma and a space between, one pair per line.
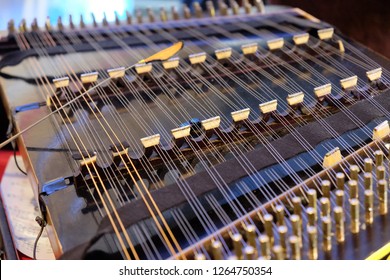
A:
324, 216
314, 224
223, 8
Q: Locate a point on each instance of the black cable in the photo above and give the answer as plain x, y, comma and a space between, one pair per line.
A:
31, 81
16, 162
42, 223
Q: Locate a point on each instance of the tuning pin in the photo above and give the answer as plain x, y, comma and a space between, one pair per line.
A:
339, 222
326, 233
369, 206
82, 23
247, 6
250, 233
250, 253
235, 7
163, 14
128, 18
268, 222
216, 248
47, 24
378, 157
325, 206
260, 6
311, 216
279, 209
151, 16
237, 245
11, 26
340, 180
71, 24
355, 223
23, 26
297, 205
60, 25
175, 14
282, 231
34, 25
278, 253
382, 196
138, 15
186, 12
105, 21
265, 246
367, 181
223, 8
94, 23
339, 198
325, 187
368, 163
198, 10
296, 227
380, 172
210, 8
354, 172
312, 197
353, 189
117, 21
313, 242
295, 248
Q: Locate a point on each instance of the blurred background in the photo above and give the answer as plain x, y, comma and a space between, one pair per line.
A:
366, 21
40, 9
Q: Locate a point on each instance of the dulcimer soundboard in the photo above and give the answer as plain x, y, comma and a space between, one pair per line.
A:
265, 137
